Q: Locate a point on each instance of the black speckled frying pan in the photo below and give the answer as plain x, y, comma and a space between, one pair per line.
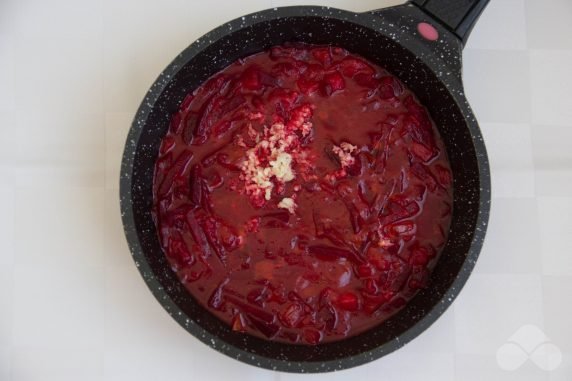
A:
421, 43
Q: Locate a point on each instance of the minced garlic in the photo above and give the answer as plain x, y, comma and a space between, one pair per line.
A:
348, 147
288, 203
281, 167
344, 152
279, 148
257, 178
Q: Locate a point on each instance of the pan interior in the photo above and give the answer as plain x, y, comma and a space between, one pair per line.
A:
380, 50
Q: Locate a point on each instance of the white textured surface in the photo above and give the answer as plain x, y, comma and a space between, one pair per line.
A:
72, 305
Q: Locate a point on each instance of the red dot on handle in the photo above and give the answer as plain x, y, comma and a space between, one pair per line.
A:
428, 31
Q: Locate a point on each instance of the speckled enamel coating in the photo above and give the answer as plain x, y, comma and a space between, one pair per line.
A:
388, 37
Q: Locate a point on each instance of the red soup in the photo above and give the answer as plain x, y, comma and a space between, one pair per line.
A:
302, 194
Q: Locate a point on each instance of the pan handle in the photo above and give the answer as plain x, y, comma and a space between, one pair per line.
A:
459, 16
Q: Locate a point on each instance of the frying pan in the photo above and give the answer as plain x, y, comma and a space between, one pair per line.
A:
421, 43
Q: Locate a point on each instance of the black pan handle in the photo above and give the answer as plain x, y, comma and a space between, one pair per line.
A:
459, 16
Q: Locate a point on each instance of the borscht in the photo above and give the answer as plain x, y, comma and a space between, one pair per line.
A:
302, 194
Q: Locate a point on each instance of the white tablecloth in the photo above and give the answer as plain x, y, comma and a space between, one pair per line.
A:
72, 304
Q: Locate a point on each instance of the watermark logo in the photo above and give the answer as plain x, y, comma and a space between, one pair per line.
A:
529, 343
